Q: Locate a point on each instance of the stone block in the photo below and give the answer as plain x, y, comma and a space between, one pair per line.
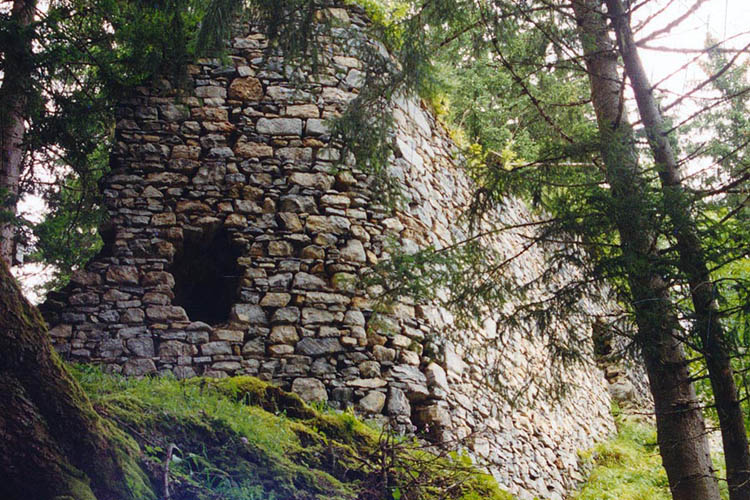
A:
124, 275
312, 316
280, 126
142, 347
318, 347
283, 334
328, 224
372, 403
275, 299
246, 89
398, 403
319, 181
310, 389
307, 281
138, 367
215, 348
249, 313
227, 335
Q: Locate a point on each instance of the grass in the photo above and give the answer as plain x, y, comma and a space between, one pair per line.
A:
243, 439
629, 467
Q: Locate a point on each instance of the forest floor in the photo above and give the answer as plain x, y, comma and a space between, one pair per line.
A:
243, 439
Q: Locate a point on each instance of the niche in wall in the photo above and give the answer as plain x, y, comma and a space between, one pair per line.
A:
206, 275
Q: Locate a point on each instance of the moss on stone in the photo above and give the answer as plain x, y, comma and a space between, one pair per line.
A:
241, 437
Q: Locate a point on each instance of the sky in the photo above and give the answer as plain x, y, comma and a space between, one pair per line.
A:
719, 18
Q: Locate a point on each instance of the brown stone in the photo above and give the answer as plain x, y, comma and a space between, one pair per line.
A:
303, 111
275, 299
164, 219
284, 334
249, 149
246, 89
125, 275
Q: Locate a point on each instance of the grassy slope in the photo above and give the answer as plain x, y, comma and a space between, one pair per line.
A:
628, 467
240, 438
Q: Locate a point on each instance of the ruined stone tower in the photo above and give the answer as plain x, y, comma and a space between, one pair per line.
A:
234, 247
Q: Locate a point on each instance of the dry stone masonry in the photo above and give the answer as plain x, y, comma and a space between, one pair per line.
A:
234, 246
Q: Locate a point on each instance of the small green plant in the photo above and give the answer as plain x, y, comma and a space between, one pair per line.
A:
242, 438
627, 467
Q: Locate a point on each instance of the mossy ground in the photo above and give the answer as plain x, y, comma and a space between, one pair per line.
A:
628, 467
240, 438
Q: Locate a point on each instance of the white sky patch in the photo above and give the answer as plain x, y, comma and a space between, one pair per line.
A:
719, 19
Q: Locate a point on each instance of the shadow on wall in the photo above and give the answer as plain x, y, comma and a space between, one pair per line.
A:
206, 275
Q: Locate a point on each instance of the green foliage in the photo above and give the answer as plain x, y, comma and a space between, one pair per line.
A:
241, 438
628, 467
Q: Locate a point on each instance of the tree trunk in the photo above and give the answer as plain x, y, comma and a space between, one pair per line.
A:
692, 264
14, 93
681, 431
54, 443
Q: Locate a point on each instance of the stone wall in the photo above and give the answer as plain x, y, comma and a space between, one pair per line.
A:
234, 247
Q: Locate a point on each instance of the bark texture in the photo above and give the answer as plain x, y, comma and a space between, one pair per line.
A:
54, 443
14, 92
681, 431
692, 263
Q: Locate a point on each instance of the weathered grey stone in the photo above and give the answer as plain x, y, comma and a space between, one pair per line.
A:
316, 180
297, 204
383, 353
210, 91
284, 334
132, 316
174, 112
328, 224
166, 313
355, 318
254, 347
85, 278
156, 278
398, 403
354, 251
435, 415
61, 331
372, 403
312, 316
138, 367
436, 376
280, 349
248, 313
110, 348
623, 391
318, 347
172, 349
223, 334
275, 299
310, 389
303, 111
183, 372
316, 127
367, 383
141, 347
286, 315
125, 275
280, 126
214, 348
369, 369
308, 281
